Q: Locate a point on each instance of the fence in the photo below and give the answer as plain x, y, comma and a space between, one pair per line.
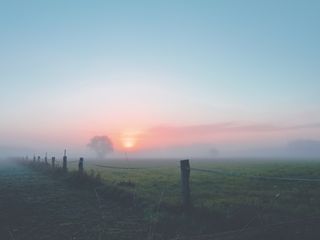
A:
185, 171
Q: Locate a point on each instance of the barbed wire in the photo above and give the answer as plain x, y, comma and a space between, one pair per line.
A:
115, 167
128, 168
226, 173
287, 179
214, 171
74, 161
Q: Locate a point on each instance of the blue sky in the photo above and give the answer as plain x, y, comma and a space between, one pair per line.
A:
103, 67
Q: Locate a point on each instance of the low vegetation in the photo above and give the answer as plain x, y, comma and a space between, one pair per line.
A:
229, 198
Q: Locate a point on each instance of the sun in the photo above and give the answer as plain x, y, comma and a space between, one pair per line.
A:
129, 139
128, 143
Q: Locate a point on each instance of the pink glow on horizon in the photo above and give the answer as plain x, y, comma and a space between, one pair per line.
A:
138, 139
223, 133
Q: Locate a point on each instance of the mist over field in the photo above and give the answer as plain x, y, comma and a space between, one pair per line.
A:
159, 120
297, 149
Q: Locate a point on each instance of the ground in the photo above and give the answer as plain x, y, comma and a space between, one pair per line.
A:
34, 206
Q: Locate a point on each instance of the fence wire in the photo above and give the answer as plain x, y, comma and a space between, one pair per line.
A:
115, 167
74, 161
226, 173
128, 168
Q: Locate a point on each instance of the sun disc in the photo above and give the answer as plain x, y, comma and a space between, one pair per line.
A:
128, 143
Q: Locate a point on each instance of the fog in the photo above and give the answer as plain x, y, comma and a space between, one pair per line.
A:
101, 147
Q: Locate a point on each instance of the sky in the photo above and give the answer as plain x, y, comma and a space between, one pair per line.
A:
170, 78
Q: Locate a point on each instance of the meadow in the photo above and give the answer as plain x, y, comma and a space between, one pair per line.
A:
231, 199
241, 193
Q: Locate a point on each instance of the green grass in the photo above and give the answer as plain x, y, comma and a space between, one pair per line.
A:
229, 199
36, 204
223, 193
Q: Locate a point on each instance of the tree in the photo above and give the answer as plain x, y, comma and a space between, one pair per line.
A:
101, 145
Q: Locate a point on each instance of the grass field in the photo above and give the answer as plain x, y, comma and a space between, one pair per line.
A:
230, 192
229, 202
232, 184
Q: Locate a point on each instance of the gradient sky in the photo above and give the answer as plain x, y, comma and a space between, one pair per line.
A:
234, 75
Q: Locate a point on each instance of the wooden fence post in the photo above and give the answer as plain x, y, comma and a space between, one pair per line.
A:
64, 166
185, 174
81, 165
53, 159
39, 158
46, 159
34, 158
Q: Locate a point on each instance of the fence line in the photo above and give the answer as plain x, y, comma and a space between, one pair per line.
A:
127, 168
185, 172
287, 179
214, 171
114, 167
222, 172
73, 161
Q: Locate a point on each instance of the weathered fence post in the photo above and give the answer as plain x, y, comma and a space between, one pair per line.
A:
46, 159
39, 158
185, 174
53, 159
81, 165
64, 165
34, 158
